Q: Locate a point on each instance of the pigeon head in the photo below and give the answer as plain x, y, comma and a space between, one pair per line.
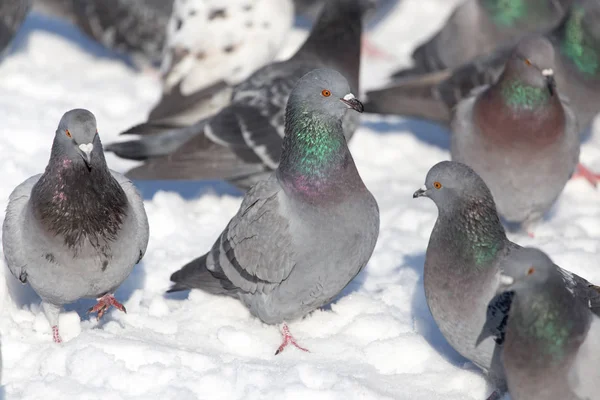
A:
323, 92
450, 184
527, 268
77, 137
528, 79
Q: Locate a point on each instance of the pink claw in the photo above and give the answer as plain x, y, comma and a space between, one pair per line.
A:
104, 304
56, 335
287, 340
373, 51
583, 172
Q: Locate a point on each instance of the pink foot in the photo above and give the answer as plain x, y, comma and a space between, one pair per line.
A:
371, 50
583, 172
287, 340
104, 304
55, 335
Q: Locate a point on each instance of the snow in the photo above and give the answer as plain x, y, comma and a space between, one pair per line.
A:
376, 341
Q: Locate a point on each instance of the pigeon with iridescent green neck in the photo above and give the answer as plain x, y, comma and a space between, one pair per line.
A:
305, 232
77, 230
519, 135
462, 265
478, 27
551, 349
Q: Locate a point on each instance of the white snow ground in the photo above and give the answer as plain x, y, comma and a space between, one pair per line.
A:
377, 341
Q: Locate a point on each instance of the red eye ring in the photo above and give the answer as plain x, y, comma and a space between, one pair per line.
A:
326, 93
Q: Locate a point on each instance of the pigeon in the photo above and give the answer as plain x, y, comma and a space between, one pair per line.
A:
462, 265
519, 135
209, 42
478, 27
12, 14
242, 142
133, 27
576, 42
78, 229
551, 349
305, 232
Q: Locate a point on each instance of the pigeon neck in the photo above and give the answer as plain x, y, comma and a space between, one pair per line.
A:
519, 95
315, 156
545, 320
473, 223
578, 46
518, 13
78, 203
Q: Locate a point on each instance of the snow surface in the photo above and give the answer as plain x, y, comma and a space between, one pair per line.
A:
376, 341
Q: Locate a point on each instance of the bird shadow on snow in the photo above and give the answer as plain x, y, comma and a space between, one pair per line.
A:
24, 296
426, 131
36, 21
186, 189
424, 322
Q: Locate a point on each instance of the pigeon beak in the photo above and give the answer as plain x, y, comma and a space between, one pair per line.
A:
352, 102
86, 154
506, 281
420, 193
550, 81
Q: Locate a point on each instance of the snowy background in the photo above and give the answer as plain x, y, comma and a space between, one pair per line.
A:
376, 341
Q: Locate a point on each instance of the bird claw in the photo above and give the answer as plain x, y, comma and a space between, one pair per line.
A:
55, 335
583, 172
104, 304
287, 340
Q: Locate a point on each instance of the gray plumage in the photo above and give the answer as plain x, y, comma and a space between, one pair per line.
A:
12, 14
304, 233
463, 261
134, 27
242, 142
78, 229
519, 135
576, 42
478, 27
552, 345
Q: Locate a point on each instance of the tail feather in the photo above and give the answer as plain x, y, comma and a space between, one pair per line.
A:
151, 146
195, 275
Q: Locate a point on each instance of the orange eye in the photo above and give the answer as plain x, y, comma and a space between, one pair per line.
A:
68, 133
326, 93
530, 271
527, 62
437, 185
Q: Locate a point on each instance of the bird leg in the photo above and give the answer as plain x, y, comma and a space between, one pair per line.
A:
56, 335
583, 172
287, 340
104, 304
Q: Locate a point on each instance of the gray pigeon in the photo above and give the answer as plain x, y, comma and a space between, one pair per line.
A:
12, 14
552, 344
478, 27
242, 142
464, 258
306, 231
576, 44
78, 229
134, 27
519, 135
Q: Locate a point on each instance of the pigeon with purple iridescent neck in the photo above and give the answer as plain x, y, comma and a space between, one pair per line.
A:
77, 230
551, 348
462, 265
305, 232
519, 134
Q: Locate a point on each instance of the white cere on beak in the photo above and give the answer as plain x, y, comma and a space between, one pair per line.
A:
86, 148
349, 97
548, 72
506, 280
424, 188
